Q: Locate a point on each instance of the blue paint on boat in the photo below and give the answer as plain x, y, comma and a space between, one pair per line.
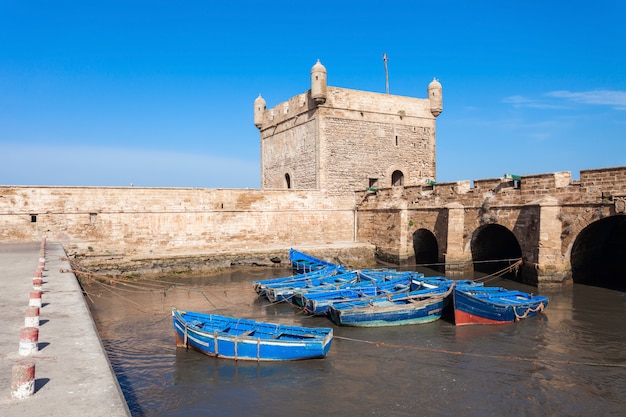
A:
318, 303
303, 262
245, 339
260, 286
423, 305
495, 305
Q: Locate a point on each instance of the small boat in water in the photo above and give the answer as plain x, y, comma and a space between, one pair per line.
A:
281, 292
245, 339
260, 286
494, 305
423, 305
303, 262
319, 302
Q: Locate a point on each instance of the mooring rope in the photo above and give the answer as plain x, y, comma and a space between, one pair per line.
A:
113, 285
498, 274
529, 310
479, 355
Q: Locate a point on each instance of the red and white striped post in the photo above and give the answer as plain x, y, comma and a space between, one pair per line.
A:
35, 299
37, 284
29, 341
23, 379
38, 273
31, 319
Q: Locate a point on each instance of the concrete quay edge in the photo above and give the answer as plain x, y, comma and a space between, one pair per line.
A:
73, 375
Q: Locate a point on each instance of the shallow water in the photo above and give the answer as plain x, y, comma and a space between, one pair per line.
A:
568, 361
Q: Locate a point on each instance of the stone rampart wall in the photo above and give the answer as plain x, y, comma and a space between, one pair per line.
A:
544, 212
161, 221
594, 187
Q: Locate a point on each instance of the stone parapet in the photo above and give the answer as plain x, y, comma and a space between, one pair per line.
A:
129, 221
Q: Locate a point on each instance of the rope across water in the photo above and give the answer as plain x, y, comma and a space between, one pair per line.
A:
479, 355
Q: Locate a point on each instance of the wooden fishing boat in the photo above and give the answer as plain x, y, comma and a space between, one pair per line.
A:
245, 339
494, 305
303, 262
260, 286
319, 302
324, 282
421, 306
365, 280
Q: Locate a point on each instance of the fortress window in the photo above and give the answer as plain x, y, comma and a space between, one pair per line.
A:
396, 141
372, 182
288, 181
92, 217
33, 218
397, 179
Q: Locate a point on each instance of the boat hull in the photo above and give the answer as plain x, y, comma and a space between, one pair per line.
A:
249, 340
303, 262
381, 315
469, 309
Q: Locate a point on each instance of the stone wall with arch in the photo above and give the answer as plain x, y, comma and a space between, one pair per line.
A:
545, 213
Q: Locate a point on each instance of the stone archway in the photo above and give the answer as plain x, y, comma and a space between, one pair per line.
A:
598, 255
494, 248
426, 248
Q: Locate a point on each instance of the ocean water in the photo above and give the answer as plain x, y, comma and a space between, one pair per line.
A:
568, 361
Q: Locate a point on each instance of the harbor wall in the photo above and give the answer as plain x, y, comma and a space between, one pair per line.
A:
125, 223
545, 213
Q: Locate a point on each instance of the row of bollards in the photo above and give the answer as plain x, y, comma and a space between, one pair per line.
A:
23, 374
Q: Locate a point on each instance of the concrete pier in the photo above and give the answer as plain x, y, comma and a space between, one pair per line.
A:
73, 374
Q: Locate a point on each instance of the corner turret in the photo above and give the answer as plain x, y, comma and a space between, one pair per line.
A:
259, 110
435, 96
318, 83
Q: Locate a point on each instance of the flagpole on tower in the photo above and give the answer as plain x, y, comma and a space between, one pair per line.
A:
385, 59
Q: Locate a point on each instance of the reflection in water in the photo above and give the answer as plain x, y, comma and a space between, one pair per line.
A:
568, 361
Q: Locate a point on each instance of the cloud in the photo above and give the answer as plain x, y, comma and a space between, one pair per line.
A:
521, 101
617, 99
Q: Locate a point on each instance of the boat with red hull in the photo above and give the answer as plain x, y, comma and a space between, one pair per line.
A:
494, 305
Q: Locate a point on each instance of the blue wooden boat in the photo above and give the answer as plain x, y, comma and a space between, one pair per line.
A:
303, 262
494, 305
421, 306
323, 282
369, 282
260, 286
319, 302
365, 280
245, 339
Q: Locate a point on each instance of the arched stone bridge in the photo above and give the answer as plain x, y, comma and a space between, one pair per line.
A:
563, 230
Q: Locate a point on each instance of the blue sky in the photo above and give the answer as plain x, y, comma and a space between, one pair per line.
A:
160, 93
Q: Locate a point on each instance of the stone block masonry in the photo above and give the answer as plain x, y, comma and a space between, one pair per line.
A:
347, 141
124, 224
545, 213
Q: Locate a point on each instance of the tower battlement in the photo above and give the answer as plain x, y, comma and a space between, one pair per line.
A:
340, 140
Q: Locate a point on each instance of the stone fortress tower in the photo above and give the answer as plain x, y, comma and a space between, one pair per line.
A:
339, 140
